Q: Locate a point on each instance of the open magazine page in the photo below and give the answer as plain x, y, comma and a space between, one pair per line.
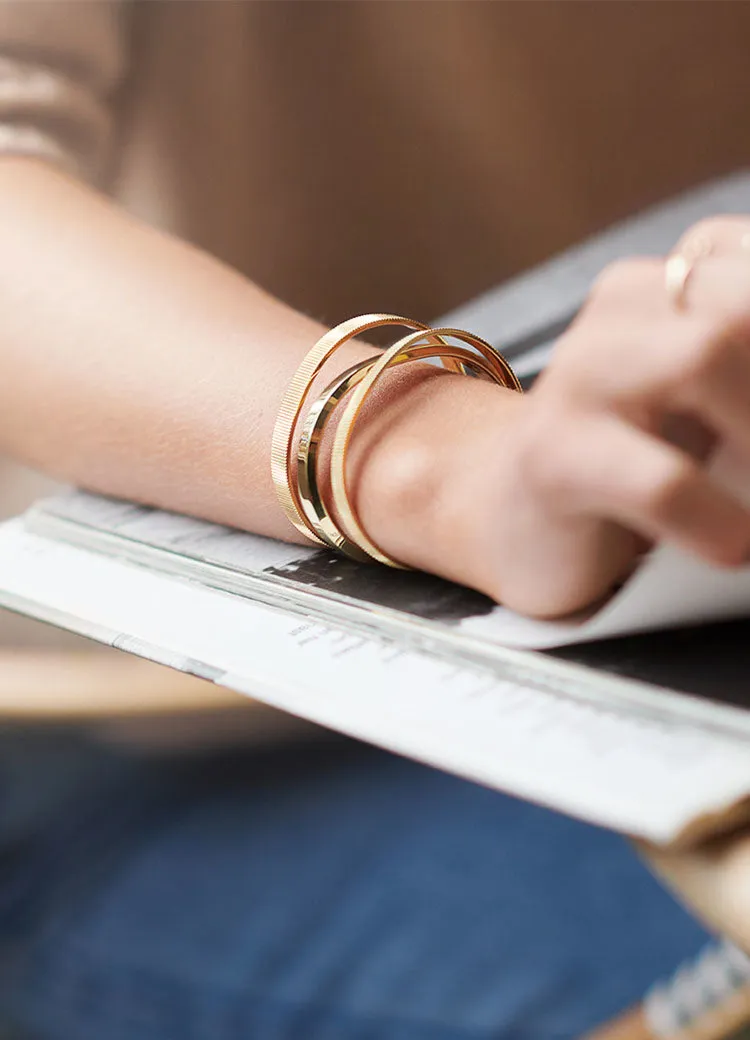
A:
413, 663
619, 753
670, 588
522, 317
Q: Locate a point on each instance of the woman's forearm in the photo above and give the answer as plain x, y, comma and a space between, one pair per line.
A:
134, 364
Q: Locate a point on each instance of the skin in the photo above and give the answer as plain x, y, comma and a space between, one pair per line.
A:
712, 880
149, 370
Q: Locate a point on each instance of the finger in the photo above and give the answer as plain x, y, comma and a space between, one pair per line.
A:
622, 343
713, 878
611, 470
720, 397
718, 236
712, 374
635, 349
718, 289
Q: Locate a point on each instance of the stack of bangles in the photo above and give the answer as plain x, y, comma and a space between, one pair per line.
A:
296, 443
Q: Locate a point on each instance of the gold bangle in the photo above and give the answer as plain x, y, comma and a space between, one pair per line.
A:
497, 369
311, 501
294, 400
308, 492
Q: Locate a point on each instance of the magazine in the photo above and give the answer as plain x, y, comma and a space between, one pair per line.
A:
645, 734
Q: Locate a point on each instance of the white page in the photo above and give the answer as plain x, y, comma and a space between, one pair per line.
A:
670, 588
624, 767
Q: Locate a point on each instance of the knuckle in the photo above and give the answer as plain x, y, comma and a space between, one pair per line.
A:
707, 229
624, 276
613, 278
712, 233
705, 352
546, 454
712, 348
661, 493
721, 295
732, 325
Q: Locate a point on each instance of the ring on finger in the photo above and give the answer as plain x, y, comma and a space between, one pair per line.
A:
680, 266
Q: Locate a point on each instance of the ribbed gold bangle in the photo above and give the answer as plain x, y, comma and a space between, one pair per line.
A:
293, 402
311, 501
496, 368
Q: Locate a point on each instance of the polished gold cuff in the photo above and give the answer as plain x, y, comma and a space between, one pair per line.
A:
486, 361
293, 403
295, 471
310, 498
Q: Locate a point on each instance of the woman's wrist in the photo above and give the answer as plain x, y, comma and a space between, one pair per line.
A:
416, 473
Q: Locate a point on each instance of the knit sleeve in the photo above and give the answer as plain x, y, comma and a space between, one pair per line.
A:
60, 64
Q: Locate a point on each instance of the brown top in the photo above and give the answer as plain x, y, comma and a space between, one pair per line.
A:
355, 156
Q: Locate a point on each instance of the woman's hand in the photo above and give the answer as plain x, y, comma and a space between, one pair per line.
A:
544, 502
712, 879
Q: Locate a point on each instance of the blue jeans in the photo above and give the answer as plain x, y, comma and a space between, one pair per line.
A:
319, 892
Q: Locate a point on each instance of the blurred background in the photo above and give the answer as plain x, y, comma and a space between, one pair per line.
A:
444, 147
350, 157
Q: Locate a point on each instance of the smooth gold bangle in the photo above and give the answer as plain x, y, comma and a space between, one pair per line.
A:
311, 501
294, 400
497, 369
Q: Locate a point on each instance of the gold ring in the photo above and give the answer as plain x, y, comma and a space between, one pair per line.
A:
676, 274
497, 369
680, 265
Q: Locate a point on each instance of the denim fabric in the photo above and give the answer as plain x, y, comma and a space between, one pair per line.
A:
319, 892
